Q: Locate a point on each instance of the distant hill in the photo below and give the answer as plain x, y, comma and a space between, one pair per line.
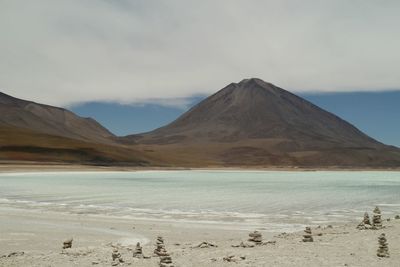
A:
257, 123
23, 145
50, 120
40, 133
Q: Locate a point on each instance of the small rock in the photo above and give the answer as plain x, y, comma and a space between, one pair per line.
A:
205, 245
67, 243
243, 245
15, 254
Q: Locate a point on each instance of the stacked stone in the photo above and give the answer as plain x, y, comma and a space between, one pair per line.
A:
383, 250
138, 252
165, 259
376, 219
116, 257
307, 236
160, 251
159, 245
366, 223
255, 237
67, 243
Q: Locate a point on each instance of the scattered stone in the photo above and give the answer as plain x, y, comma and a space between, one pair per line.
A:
213, 259
307, 236
319, 234
233, 258
366, 223
282, 235
383, 250
77, 252
377, 219
255, 237
230, 258
116, 257
205, 245
329, 226
95, 262
138, 252
16, 254
397, 217
273, 242
244, 245
67, 243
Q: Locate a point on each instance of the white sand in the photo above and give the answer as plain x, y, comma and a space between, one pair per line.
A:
39, 235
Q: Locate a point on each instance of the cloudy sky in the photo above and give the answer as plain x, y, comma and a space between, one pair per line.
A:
74, 51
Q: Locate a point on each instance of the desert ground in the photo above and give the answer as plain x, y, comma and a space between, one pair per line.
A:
32, 238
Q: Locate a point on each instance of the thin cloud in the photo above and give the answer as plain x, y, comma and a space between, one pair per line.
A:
66, 52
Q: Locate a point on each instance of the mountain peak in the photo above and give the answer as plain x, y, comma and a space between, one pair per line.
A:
255, 82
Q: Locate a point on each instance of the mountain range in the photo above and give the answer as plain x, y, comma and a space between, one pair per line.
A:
250, 123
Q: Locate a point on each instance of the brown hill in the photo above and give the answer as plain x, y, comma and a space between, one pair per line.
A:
257, 123
50, 120
19, 145
40, 133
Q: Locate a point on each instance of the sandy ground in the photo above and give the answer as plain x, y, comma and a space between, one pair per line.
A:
37, 237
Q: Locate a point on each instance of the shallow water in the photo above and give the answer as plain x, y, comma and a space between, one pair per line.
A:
276, 201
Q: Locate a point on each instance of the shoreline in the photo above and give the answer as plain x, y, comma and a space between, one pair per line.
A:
40, 167
39, 235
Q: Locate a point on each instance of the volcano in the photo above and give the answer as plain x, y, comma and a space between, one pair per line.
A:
257, 123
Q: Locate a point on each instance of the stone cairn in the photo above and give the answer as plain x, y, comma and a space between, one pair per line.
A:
255, 237
383, 250
160, 251
377, 219
159, 245
116, 257
366, 223
138, 252
67, 243
307, 236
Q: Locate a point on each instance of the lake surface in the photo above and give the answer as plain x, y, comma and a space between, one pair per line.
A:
276, 201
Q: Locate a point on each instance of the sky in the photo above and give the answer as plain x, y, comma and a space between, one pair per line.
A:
163, 54
146, 51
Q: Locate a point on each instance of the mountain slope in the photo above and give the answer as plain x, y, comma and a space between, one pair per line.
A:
257, 123
41, 133
22, 145
50, 120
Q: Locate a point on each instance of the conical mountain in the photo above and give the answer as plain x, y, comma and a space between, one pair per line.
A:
255, 122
